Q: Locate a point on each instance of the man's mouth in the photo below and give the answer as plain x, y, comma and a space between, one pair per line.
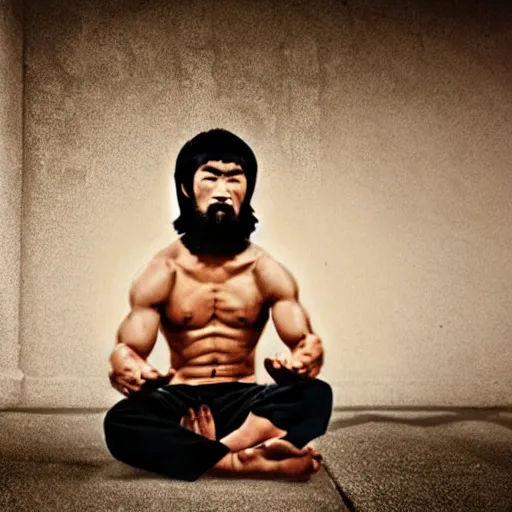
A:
221, 208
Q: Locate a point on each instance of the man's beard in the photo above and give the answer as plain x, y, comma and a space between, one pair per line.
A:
219, 231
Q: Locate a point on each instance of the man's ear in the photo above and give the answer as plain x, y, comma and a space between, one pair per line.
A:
185, 193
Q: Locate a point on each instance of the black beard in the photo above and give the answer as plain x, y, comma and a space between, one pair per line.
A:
217, 232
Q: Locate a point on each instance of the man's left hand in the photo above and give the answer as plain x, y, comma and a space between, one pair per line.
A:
305, 362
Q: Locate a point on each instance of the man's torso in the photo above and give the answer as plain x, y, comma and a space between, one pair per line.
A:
215, 314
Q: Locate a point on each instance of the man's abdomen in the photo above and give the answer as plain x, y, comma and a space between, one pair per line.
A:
214, 353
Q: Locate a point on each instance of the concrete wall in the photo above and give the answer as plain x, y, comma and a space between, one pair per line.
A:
10, 197
383, 135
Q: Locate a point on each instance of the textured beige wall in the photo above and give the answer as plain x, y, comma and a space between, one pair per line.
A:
383, 135
10, 197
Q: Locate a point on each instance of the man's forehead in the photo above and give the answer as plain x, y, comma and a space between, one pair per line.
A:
219, 165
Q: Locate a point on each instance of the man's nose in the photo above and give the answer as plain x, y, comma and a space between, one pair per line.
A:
221, 193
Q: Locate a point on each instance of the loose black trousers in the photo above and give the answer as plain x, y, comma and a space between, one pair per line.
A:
144, 430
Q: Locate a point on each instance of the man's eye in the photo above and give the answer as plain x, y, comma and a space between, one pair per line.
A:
211, 178
234, 180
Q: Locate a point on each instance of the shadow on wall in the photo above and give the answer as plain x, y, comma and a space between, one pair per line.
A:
451, 415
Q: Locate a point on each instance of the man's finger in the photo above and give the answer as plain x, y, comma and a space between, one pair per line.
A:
128, 385
131, 372
283, 360
317, 357
149, 373
318, 361
210, 423
202, 421
297, 364
118, 388
137, 375
276, 364
310, 359
186, 421
195, 422
314, 371
169, 374
123, 381
309, 356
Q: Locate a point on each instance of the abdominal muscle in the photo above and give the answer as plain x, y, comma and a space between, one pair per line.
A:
214, 354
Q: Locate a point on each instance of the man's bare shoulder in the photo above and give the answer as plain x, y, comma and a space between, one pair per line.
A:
275, 281
154, 283
169, 254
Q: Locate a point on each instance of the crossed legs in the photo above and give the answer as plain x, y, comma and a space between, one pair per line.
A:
259, 431
256, 449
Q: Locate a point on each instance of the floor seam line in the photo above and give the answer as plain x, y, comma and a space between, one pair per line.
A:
342, 494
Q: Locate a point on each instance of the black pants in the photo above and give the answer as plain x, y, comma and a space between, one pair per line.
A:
144, 430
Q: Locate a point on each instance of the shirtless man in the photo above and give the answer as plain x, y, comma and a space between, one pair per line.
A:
211, 293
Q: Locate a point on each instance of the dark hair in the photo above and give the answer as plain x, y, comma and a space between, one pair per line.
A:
216, 145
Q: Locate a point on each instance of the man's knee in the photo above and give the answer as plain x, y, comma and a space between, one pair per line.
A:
313, 411
318, 394
111, 423
120, 424
115, 414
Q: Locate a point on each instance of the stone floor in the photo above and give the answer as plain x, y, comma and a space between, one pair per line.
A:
437, 460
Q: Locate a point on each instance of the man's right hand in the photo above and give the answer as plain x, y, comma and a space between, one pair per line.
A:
130, 373
200, 422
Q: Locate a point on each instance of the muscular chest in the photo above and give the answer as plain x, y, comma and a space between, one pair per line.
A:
194, 302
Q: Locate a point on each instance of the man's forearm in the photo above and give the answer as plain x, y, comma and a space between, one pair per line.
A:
123, 350
139, 330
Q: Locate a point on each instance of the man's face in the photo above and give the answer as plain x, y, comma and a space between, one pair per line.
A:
219, 189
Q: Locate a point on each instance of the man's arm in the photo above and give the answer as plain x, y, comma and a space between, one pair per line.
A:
292, 322
138, 332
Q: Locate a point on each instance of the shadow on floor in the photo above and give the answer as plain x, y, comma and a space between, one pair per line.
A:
452, 415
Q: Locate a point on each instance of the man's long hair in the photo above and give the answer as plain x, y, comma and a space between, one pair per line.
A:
214, 145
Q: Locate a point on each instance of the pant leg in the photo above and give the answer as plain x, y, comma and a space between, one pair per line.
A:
302, 409
230, 403
144, 431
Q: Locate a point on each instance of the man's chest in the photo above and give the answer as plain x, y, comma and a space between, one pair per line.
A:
197, 298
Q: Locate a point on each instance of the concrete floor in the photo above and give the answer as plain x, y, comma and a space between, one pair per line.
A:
437, 460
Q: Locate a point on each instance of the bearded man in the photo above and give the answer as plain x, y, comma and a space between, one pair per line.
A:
211, 293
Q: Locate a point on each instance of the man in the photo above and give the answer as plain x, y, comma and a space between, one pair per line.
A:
211, 293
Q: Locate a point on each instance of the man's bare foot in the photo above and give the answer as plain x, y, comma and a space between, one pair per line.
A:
280, 459
277, 459
254, 430
279, 449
